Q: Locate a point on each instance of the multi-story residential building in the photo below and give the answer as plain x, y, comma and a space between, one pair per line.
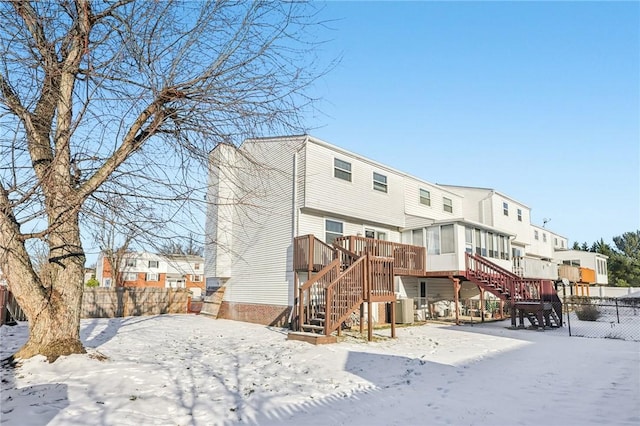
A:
593, 266
270, 191
143, 269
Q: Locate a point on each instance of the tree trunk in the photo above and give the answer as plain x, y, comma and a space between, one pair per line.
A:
52, 307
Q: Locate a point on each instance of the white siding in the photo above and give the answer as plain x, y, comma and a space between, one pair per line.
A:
435, 211
357, 198
261, 226
587, 260
510, 223
314, 223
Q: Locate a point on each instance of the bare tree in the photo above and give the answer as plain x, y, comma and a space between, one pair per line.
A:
125, 98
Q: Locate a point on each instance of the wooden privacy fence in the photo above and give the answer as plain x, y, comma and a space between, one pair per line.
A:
9, 308
133, 301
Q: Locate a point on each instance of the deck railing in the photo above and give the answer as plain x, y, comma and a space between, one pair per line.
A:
408, 259
311, 254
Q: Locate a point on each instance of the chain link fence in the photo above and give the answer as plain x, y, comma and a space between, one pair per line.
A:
603, 317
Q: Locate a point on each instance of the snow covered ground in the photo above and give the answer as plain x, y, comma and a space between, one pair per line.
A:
193, 370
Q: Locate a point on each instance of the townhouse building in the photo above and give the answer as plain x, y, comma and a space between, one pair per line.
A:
144, 269
269, 193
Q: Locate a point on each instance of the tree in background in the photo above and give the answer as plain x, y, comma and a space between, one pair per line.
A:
125, 99
189, 247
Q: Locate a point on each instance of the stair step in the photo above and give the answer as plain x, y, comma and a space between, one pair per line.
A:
313, 327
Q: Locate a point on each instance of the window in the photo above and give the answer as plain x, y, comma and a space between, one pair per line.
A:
342, 169
535, 235
416, 237
562, 243
478, 245
333, 230
433, 240
153, 264
519, 215
196, 278
129, 276
379, 182
447, 243
130, 262
152, 276
555, 241
468, 240
447, 204
505, 209
196, 266
425, 197
490, 246
107, 282
544, 237
372, 233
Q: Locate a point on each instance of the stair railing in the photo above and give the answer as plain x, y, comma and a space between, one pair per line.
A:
311, 295
344, 294
311, 254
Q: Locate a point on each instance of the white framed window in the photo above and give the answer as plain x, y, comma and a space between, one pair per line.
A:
519, 215
107, 282
152, 276
130, 262
196, 278
342, 169
544, 237
196, 266
333, 229
555, 241
535, 235
129, 276
447, 239
379, 182
153, 264
447, 204
425, 197
505, 209
561, 243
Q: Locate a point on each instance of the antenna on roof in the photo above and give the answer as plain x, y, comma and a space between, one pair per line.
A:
544, 221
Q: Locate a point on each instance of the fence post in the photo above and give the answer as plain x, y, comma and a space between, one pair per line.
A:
617, 313
569, 317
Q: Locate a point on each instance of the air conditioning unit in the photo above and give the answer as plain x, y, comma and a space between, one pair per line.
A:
404, 311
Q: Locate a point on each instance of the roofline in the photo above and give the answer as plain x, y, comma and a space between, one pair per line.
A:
321, 142
493, 191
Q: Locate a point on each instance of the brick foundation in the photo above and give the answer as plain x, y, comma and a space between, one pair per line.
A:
274, 315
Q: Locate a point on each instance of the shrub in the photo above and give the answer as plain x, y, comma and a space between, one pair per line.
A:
588, 313
92, 282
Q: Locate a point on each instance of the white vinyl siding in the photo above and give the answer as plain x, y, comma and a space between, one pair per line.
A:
356, 199
262, 226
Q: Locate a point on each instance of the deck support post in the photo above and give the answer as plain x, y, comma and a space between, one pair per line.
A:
393, 320
369, 321
362, 318
481, 305
456, 297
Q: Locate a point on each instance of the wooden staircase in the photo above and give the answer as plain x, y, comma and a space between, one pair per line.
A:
534, 299
338, 283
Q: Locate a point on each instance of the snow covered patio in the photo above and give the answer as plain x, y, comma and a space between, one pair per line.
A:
193, 370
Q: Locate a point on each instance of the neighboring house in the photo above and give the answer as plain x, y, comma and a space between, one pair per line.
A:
269, 191
593, 266
143, 269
